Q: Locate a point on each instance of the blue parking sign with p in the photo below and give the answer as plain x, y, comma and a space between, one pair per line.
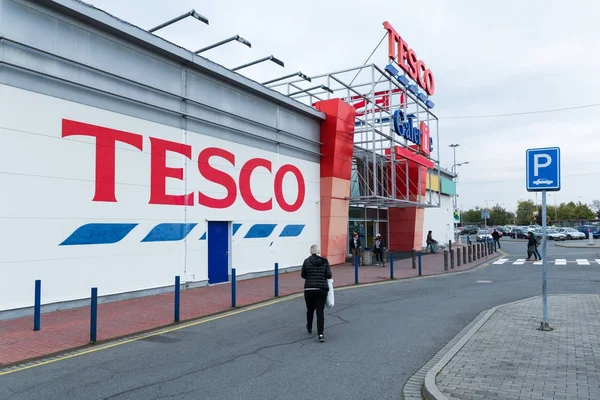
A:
543, 169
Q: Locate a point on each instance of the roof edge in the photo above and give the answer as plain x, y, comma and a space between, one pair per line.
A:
108, 22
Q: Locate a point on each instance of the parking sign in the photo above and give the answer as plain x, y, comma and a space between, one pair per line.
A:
543, 169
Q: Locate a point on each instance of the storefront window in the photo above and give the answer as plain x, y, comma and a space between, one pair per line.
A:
372, 214
383, 215
357, 213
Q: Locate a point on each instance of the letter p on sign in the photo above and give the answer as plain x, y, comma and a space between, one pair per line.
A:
543, 169
537, 164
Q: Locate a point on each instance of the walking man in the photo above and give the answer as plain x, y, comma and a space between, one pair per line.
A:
316, 271
496, 236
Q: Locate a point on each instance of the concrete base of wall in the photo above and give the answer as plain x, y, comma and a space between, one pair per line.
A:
72, 304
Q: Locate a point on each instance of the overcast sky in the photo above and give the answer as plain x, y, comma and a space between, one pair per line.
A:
487, 58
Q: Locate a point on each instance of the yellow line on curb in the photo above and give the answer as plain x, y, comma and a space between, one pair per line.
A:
227, 314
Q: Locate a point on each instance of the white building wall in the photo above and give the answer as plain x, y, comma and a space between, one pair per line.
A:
440, 221
48, 184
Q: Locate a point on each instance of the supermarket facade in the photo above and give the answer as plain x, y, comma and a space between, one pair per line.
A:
127, 160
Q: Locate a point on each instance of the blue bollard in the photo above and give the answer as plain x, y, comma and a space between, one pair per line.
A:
37, 305
420, 262
233, 287
94, 315
177, 297
276, 279
356, 270
391, 266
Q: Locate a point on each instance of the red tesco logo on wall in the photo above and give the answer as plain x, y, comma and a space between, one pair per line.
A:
107, 138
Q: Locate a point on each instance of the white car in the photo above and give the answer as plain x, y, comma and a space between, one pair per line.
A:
552, 234
543, 181
571, 233
482, 234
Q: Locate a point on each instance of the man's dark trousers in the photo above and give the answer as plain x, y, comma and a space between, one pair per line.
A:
315, 301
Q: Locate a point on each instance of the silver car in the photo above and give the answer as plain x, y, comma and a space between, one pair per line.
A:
571, 233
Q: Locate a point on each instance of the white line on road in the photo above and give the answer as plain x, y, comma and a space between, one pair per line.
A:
582, 262
501, 261
560, 261
598, 260
537, 263
520, 261
483, 281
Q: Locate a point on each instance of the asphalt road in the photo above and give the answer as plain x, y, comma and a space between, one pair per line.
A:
376, 338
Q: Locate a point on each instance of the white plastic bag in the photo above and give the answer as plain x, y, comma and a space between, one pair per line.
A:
330, 298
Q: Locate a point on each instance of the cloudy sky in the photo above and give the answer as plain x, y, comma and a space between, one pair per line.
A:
487, 58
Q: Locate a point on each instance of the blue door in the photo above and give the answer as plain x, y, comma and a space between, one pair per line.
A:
218, 251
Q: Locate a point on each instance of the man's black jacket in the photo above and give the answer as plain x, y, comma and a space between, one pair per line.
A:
316, 271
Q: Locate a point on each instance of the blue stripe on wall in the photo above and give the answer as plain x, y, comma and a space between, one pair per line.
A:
259, 231
236, 227
98, 234
169, 232
292, 230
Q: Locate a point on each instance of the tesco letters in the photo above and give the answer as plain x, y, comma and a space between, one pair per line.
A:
107, 138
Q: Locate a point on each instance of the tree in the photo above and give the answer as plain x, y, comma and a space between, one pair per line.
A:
596, 207
471, 217
525, 210
499, 216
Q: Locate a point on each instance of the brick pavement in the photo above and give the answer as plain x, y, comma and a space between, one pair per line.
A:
69, 329
508, 358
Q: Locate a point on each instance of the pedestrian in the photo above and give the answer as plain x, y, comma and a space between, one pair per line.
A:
315, 272
537, 252
496, 237
355, 246
531, 250
378, 249
431, 242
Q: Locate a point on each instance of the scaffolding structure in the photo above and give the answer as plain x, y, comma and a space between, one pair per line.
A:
376, 95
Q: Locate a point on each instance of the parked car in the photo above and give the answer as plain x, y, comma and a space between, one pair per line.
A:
482, 234
572, 233
552, 234
584, 229
502, 230
469, 230
519, 233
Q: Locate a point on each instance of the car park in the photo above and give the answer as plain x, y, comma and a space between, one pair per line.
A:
572, 233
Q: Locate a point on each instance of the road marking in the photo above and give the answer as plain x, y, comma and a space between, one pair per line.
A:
598, 260
537, 263
560, 261
160, 331
501, 261
520, 261
483, 281
582, 262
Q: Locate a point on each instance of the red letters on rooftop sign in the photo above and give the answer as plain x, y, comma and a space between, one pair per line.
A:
406, 58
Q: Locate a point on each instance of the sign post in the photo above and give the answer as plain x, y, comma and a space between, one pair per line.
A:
485, 215
543, 174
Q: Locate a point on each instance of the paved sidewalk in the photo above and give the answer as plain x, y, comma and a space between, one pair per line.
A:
69, 329
504, 356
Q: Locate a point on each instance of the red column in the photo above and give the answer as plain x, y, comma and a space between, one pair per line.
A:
406, 228
406, 224
337, 136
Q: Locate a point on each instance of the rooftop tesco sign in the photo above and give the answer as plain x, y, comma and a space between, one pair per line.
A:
406, 58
